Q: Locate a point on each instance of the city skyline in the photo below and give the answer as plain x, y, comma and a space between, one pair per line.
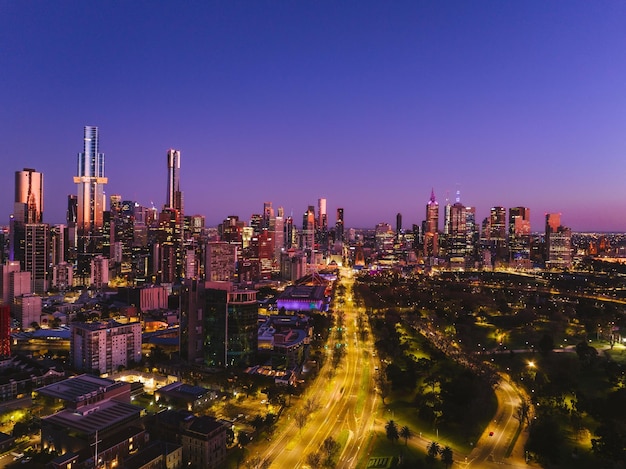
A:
368, 106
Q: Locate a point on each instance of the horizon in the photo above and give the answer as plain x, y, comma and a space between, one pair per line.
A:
369, 105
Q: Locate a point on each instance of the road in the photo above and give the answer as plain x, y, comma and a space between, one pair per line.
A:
491, 450
346, 401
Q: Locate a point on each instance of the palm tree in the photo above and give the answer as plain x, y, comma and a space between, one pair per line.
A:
446, 456
392, 431
406, 433
433, 450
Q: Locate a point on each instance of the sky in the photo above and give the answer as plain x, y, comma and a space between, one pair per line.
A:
369, 104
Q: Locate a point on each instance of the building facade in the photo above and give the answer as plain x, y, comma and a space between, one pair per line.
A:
103, 347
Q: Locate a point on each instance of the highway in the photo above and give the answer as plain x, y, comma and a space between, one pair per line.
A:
345, 401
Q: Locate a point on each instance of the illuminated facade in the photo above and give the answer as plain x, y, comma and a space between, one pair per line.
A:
431, 228
519, 237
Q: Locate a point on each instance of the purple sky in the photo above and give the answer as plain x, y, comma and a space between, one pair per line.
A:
368, 104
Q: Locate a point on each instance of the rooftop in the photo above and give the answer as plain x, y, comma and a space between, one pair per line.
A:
78, 388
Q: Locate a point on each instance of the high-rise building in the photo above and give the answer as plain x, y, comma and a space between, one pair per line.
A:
339, 226
174, 197
102, 347
221, 261
28, 196
90, 180
519, 236
91, 202
558, 242
37, 255
230, 325
431, 228
6, 270
279, 234
28, 209
268, 214
398, 225
321, 230
497, 233
99, 272
456, 238
308, 228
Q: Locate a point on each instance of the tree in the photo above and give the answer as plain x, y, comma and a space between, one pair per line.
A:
301, 418
382, 385
447, 457
330, 447
433, 450
392, 431
258, 422
586, 353
406, 433
523, 413
546, 344
314, 459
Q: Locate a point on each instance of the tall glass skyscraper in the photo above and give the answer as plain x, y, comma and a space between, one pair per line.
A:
90, 180
174, 198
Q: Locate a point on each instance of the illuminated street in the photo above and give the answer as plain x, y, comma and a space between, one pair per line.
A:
345, 403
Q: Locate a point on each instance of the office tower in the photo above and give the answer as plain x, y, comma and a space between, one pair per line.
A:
321, 231
58, 244
497, 233
26, 309
456, 237
72, 210
383, 236
169, 246
62, 276
279, 234
472, 235
519, 236
72, 229
90, 180
308, 228
339, 226
256, 223
268, 214
6, 269
90, 202
553, 221
27, 209
99, 272
28, 196
230, 325
221, 261
102, 347
431, 228
115, 204
398, 225
174, 198
36, 258
558, 242
291, 234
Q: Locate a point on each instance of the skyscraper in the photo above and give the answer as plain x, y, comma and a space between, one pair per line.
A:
28, 209
174, 198
28, 196
91, 201
90, 180
497, 233
339, 226
431, 229
519, 236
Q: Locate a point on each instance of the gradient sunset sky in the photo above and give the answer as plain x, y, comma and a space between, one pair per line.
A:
367, 104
